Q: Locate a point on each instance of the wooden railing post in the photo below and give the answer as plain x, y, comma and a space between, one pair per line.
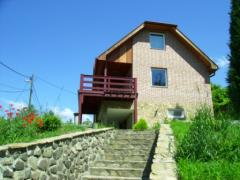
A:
81, 82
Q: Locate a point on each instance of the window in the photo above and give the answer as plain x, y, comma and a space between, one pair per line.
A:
157, 41
176, 113
159, 77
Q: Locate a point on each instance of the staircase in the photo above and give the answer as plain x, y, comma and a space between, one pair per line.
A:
128, 157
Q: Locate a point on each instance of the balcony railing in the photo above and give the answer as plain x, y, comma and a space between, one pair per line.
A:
108, 84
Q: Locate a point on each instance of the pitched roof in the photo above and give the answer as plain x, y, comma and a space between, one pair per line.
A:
165, 27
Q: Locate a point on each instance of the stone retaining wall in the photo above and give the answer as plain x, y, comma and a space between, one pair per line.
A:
62, 157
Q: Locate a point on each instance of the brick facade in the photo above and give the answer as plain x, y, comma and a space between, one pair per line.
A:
188, 78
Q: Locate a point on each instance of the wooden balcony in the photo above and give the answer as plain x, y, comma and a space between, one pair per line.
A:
108, 86
94, 89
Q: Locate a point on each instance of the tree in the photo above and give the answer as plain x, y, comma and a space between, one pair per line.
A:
221, 102
234, 57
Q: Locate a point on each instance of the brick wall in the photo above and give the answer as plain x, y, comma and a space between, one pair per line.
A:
188, 78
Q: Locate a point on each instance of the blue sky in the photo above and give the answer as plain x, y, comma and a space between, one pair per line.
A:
57, 40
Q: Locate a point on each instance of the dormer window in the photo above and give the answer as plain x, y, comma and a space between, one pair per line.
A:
157, 41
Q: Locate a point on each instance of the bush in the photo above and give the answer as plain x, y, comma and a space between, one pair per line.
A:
87, 124
156, 126
140, 125
15, 129
51, 122
209, 139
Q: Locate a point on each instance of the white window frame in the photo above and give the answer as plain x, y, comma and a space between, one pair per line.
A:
164, 42
171, 116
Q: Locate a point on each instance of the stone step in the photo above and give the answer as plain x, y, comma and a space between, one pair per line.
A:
139, 157
133, 140
135, 136
135, 132
138, 138
130, 146
126, 143
92, 177
128, 151
120, 164
119, 172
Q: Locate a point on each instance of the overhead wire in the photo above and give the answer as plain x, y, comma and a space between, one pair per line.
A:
13, 70
16, 91
56, 86
36, 96
20, 91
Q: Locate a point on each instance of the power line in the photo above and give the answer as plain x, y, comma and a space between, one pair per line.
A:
59, 96
13, 70
9, 91
56, 86
21, 93
10, 86
35, 93
43, 80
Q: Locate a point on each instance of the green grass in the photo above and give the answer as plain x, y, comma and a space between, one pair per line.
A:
213, 169
64, 129
217, 170
179, 129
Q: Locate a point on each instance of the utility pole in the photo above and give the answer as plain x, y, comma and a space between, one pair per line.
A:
30, 91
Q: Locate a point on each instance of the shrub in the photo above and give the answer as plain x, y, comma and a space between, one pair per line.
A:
209, 139
51, 122
140, 125
14, 129
156, 126
87, 124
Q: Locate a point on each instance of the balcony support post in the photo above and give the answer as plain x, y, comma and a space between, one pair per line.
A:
135, 101
80, 104
105, 77
80, 100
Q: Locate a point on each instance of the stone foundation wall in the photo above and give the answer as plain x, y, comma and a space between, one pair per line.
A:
62, 157
157, 112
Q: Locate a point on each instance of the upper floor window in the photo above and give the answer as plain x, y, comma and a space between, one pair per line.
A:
157, 41
159, 77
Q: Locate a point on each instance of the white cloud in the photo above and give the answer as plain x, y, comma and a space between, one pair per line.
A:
65, 114
87, 117
17, 104
222, 62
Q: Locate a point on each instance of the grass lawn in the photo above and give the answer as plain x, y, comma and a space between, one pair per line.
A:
219, 169
64, 129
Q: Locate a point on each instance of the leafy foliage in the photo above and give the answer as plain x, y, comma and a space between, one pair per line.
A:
202, 170
87, 123
140, 125
221, 101
210, 139
234, 57
12, 130
50, 121
156, 126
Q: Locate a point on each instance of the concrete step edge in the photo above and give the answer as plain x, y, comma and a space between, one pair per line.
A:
111, 177
117, 169
147, 150
110, 154
120, 161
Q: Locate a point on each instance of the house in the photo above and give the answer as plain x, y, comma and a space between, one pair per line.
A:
154, 72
